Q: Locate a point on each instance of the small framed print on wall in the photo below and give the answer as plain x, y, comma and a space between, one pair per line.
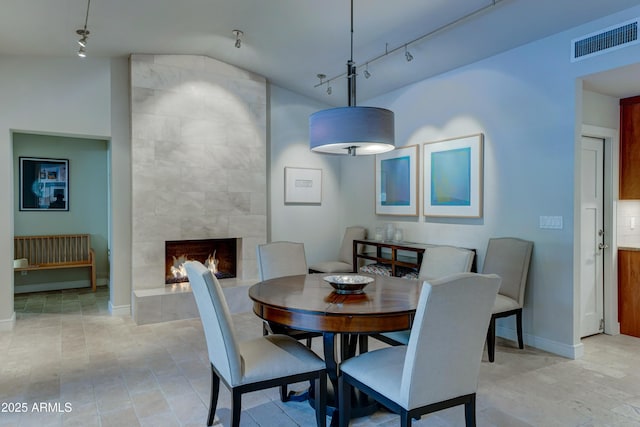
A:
44, 184
453, 175
302, 186
397, 182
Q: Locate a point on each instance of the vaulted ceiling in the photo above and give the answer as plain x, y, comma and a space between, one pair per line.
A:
291, 41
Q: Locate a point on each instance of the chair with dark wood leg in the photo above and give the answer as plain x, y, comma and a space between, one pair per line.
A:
437, 262
345, 262
439, 367
509, 258
281, 259
257, 364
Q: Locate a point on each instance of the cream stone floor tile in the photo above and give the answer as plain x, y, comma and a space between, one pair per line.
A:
65, 347
119, 418
150, 403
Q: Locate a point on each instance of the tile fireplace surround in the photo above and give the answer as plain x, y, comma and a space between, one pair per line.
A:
199, 171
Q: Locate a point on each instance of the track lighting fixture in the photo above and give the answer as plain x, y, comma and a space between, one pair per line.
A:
329, 90
407, 54
367, 74
238, 35
404, 46
84, 34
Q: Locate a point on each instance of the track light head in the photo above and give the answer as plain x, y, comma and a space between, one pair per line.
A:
84, 35
238, 35
407, 54
329, 90
82, 53
367, 74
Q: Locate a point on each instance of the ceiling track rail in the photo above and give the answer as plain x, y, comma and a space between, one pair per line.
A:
423, 37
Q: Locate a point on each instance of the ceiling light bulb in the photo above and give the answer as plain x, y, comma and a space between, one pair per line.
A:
238, 43
81, 52
367, 74
83, 41
407, 55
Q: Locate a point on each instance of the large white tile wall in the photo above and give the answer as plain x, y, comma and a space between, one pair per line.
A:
198, 159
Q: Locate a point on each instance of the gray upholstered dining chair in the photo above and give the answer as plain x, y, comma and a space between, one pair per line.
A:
509, 258
441, 261
437, 262
344, 264
257, 364
439, 366
281, 259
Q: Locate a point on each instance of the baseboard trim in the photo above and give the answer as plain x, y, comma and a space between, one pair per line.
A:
8, 324
119, 310
57, 286
575, 351
614, 330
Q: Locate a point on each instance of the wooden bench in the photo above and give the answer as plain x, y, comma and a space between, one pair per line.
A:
56, 251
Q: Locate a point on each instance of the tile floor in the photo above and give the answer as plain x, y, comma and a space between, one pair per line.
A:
87, 368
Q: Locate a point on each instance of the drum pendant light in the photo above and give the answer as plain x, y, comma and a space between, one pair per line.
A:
352, 130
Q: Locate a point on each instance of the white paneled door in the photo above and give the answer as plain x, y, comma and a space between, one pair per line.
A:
592, 237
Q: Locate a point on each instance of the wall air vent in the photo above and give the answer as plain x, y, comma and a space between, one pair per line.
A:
612, 38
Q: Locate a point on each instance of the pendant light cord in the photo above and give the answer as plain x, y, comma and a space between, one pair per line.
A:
351, 71
351, 30
86, 19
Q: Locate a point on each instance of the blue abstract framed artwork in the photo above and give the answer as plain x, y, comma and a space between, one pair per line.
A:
453, 177
397, 182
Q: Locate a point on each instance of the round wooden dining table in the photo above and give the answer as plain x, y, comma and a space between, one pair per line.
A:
309, 303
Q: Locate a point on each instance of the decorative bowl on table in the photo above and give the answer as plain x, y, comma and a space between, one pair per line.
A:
348, 283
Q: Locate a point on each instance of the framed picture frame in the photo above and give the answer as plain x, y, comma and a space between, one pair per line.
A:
453, 177
43, 184
396, 177
302, 186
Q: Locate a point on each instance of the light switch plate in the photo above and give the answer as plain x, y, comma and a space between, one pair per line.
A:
551, 222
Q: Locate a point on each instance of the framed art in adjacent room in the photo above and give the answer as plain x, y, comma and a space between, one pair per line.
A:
453, 175
397, 182
302, 185
44, 184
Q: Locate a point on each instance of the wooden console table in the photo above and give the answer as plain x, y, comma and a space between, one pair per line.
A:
391, 257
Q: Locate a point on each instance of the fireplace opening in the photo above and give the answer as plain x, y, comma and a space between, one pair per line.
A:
218, 255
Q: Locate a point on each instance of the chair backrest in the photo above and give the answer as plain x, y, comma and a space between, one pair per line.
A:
224, 353
509, 258
447, 338
279, 259
350, 234
441, 261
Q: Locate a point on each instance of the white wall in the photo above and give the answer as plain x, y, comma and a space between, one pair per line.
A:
526, 104
319, 227
120, 190
600, 110
59, 96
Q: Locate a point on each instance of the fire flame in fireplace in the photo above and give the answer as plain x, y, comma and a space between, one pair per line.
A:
178, 271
